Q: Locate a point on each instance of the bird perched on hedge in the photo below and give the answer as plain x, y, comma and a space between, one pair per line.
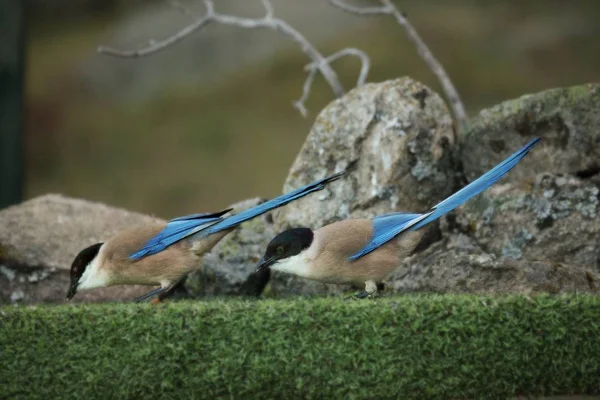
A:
366, 251
159, 254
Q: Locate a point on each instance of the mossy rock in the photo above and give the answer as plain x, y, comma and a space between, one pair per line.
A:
567, 120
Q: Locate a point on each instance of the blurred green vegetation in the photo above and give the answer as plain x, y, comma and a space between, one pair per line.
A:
410, 347
202, 147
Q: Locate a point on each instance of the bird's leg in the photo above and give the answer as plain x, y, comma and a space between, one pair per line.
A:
163, 295
370, 290
150, 294
163, 292
168, 291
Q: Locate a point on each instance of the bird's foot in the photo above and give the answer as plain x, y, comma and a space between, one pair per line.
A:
361, 295
156, 301
355, 296
370, 291
150, 294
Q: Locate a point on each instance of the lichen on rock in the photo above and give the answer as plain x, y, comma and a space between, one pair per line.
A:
553, 219
567, 120
402, 136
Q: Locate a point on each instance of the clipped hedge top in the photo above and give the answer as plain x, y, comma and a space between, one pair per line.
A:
403, 346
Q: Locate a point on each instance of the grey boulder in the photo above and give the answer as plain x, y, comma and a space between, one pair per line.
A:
48, 231
554, 218
40, 238
456, 265
401, 134
536, 230
567, 120
228, 269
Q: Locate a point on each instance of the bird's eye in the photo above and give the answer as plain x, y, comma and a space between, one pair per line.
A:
280, 250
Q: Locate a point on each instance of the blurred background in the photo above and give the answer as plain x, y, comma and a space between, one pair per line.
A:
210, 121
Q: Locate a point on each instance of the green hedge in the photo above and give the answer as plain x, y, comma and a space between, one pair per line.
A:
397, 347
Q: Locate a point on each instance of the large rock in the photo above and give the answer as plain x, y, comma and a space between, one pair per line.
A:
229, 268
536, 230
286, 285
18, 286
40, 238
48, 231
401, 134
457, 265
567, 119
555, 218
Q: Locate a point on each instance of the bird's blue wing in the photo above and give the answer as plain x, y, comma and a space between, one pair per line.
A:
177, 229
386, 227
277, 202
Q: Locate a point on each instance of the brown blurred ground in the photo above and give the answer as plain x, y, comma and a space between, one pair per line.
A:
210, 122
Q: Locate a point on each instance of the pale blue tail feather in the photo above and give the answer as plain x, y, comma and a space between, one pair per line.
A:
386, 227
203, 225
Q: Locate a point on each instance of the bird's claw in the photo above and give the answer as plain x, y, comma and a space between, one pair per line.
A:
359, 295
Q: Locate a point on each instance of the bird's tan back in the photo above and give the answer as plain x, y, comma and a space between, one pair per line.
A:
167, 266
336, 242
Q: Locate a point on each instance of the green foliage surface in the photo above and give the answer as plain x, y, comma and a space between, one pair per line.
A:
397, 347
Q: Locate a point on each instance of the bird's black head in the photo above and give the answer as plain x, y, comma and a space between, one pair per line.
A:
287, 244
80, 263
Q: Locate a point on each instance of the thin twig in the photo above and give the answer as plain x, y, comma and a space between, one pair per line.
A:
281, 26
350, 51
434, 65
269, 13
156, 46
177, 5
299, 104
360, 10
269, 21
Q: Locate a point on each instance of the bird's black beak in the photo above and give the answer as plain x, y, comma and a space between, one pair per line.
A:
72, 291
265, 263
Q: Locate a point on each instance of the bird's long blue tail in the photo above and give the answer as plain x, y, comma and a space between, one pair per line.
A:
277, 202
386, 227
202, 225
477, 186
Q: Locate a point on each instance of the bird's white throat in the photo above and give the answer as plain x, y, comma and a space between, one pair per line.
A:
297, 265
93, 276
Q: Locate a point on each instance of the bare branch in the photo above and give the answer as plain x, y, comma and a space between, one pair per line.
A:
156, 46
457, 106
268, 9
269, 21
210, 7
349, 51
434, 65
360, 10
299, 104
177, 5
313, 67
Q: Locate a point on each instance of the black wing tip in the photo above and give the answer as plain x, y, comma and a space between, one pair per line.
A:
351, 167
223, 212
533, 142
523, 151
